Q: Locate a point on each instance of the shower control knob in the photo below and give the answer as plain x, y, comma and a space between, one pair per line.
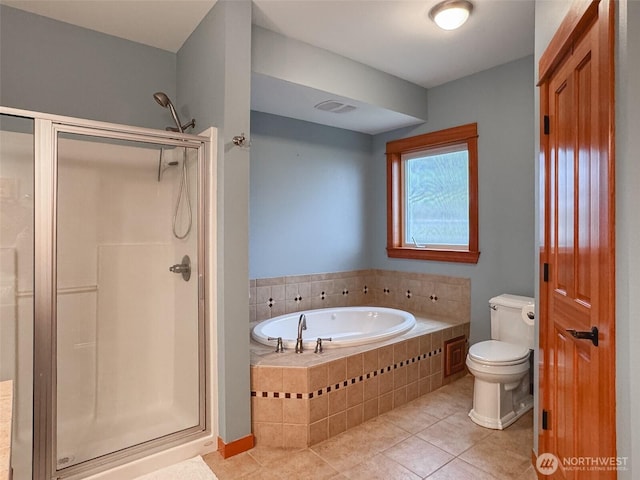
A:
183, 268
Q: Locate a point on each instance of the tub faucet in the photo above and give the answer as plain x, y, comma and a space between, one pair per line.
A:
302, 325
279, 345
319, 344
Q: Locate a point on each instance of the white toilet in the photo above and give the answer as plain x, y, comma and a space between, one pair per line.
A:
501, 391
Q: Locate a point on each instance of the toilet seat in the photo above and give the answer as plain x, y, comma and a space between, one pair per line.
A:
495, 352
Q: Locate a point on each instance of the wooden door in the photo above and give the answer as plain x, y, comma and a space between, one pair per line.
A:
577, 402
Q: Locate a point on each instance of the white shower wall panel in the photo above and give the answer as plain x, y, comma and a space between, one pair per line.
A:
16, 257
114, 236
78, 207
76, 344
16, 278
23, 385
185, 377
8, 312
135, 331
134, 207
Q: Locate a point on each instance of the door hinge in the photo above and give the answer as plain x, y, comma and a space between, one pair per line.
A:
546, 124
545, 420
545, 272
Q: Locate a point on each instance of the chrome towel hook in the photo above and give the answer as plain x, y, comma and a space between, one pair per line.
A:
240, 140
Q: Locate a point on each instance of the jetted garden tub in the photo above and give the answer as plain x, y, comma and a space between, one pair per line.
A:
345, 326
301, 399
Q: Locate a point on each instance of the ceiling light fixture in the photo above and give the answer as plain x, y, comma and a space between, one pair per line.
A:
451, 14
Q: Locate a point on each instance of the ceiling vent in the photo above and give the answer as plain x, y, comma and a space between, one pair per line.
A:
334, 106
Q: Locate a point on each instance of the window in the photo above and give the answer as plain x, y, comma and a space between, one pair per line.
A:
432, 196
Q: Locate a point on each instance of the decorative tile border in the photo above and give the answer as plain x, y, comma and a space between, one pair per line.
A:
347, 382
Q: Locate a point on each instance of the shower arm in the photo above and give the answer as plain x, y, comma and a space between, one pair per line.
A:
191, 124
163, 100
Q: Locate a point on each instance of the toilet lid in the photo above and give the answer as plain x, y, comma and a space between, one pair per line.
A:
496, 352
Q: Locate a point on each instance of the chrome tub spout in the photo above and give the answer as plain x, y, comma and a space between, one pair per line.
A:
302, 325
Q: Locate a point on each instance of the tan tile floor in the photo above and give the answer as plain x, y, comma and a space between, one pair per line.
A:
429, 438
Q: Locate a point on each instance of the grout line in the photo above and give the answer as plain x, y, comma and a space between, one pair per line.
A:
441, 467
324, 461
349, 381
361, 437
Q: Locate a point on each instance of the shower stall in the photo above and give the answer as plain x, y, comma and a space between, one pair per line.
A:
107, 281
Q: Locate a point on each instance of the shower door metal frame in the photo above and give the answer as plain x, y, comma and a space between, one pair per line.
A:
46, 130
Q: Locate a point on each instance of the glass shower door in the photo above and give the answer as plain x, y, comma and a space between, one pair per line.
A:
16, 293
129, 314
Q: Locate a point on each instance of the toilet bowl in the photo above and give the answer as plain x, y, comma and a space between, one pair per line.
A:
501, 387
501, 367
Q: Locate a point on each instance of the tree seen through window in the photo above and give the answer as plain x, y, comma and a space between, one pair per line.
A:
437, 203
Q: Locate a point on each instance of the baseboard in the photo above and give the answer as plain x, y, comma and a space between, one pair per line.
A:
230, 449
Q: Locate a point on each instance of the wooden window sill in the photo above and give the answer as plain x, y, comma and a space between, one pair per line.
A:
436, 255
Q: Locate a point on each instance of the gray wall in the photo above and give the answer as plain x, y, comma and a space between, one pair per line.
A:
58, 68
628, 235
308, 197
289, 191
214, 76
501, 102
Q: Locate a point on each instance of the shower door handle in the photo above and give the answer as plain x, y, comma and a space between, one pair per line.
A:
183, 268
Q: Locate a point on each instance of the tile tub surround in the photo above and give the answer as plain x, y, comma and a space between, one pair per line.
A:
421, 293
298, 400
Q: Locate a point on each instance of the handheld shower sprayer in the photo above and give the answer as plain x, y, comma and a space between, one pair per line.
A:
164, 101
183, 192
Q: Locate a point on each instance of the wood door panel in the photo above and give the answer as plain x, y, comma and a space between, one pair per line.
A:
587, 385
584, 206
574, 387
563, 419
570, 312
563, 241
577, 377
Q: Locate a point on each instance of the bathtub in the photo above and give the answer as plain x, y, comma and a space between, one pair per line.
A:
346, 326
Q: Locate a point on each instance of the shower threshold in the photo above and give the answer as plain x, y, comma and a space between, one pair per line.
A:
89, 438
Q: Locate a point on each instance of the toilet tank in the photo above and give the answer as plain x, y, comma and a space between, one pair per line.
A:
507, 323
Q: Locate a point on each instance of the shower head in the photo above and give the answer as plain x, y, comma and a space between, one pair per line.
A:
163, 100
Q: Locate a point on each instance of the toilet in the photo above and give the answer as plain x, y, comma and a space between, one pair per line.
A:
501, 366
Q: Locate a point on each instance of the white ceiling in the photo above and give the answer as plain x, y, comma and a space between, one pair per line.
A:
394, 36
397, 37
164, 24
